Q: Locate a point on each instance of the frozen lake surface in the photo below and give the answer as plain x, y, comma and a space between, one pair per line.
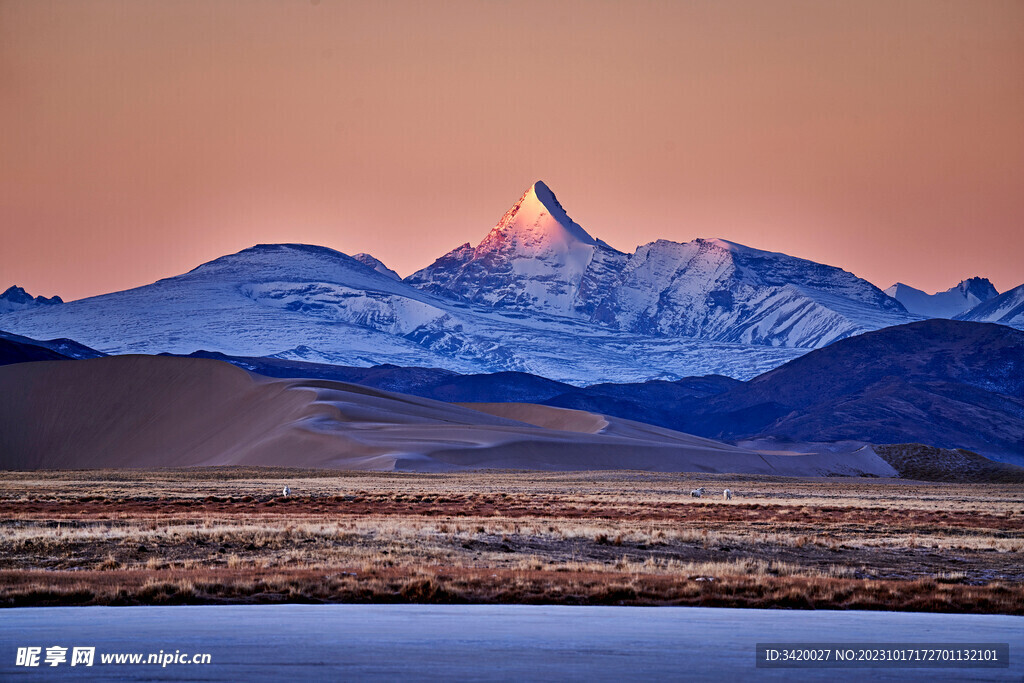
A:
503, 642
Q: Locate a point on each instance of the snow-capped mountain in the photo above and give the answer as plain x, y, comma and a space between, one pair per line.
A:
1005, 309
17, 299
301, 302
948, 304
537, 295
539, 260
715, 289
536, 259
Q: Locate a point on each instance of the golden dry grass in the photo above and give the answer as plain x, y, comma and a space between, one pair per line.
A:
129, 537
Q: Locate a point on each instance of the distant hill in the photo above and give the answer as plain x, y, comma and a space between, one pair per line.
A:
642, 401
409, 380
656, 402
15, 352
18, 349
943, 383
926, 463
434, 383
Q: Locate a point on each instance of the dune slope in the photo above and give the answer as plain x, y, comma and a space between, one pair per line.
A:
153, 411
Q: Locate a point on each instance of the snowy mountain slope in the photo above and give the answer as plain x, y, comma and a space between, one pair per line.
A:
536, 258
715, 289
949, 304
299, 302
376, 264
17, 299
216, 306
537, 295
1005, 309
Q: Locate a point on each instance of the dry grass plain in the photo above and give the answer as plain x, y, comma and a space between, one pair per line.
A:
227, 535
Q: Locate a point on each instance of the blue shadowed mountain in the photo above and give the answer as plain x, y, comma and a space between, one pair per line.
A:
18, 349
16, 298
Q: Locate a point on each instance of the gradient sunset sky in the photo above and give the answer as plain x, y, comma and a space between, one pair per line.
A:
141, 138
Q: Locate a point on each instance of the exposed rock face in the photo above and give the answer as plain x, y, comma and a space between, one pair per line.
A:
1005, 309
17, 299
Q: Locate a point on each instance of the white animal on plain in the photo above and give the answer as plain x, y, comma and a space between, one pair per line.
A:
727, 495
286, 492
697, 493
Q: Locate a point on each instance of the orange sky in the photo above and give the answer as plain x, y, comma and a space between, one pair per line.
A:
138, 139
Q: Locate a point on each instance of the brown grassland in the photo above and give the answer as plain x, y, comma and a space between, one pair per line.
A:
227, 535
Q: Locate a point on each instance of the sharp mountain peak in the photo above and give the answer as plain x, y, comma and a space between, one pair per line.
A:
539, 213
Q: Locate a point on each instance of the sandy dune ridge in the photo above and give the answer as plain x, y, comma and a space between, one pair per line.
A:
154, 411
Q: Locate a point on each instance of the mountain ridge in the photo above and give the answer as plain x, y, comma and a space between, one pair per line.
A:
956, 300
711, 289
1005, 309
15, 298
312, 303
537, 295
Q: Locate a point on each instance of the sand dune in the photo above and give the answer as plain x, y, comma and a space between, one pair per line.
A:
561, 419
152, 411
